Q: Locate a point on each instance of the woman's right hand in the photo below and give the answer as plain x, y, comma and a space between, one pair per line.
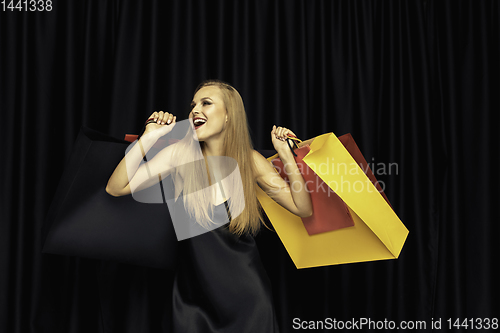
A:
164, 123
133, 175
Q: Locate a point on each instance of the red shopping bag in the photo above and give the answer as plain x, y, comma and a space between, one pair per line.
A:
329, 211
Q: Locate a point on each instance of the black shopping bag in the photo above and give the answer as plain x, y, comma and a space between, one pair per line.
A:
85, 221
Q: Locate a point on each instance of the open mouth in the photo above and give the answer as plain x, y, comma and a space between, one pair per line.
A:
198, 122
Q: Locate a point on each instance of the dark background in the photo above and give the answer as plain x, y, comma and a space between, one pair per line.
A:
415, 82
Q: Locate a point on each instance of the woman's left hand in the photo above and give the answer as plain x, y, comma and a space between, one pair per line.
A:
279, 136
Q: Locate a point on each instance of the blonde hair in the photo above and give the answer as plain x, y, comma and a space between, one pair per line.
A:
237, 144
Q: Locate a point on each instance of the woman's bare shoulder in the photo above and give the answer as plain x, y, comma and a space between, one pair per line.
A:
258, 158
262, 165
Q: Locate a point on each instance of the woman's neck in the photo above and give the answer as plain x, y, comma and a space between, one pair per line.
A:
213, 148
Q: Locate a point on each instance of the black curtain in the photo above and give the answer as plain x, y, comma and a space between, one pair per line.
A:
415, 82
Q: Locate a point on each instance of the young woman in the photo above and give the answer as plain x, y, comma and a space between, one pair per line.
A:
220, 284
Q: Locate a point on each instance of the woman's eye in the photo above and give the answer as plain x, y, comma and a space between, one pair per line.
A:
206, 103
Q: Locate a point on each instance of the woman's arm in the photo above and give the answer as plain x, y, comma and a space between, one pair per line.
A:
128, 176
293, 196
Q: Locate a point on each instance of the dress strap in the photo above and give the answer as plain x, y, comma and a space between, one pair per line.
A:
227, 210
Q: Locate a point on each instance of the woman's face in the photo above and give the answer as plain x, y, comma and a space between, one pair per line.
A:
208, 113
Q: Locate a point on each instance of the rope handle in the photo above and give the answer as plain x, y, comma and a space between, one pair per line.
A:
294, 140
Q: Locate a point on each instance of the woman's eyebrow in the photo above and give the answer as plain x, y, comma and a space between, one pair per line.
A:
201, 99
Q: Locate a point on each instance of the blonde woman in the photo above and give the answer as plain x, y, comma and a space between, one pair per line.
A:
220, 283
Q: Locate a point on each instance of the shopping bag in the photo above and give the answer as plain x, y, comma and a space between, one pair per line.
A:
85, 221
377, 233
329, 211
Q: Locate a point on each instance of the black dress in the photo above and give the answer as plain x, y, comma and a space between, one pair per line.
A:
220, 284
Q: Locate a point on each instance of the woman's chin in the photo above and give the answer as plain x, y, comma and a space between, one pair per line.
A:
195, 136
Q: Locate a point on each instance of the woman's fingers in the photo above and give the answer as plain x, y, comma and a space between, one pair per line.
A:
277, 133
274, 132
281, 133
170, 118
161, 117
153, 116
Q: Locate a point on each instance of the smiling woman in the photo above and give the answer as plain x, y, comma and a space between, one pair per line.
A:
220, 283
210, 107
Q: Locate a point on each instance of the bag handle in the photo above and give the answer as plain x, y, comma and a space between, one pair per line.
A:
294, 140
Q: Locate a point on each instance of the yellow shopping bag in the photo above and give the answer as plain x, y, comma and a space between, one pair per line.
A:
377, 233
